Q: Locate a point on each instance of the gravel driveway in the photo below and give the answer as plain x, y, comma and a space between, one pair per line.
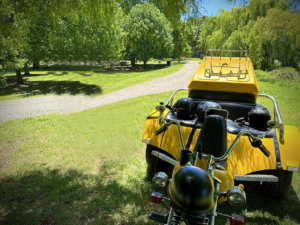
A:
10, 110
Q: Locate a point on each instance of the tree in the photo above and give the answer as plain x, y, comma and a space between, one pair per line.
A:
198, 24
276, 36
183, 34
149, 33
16, 17
36, 37
88, 40
258, 28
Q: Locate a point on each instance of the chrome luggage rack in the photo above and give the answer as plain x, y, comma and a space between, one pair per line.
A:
241, 74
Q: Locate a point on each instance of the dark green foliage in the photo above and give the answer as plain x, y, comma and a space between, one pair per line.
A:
86, 40
182, 35
198, 25
148, 33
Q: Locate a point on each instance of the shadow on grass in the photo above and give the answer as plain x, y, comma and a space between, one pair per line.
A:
53, 197
262, 209
32, 88
73, 198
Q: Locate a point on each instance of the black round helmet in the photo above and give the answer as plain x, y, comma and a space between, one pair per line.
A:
184, 108
192, 191
203, 106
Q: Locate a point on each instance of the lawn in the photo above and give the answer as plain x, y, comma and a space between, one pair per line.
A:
195, 59
82, 80
89, 168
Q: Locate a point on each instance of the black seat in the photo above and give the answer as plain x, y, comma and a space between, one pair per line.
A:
213, 135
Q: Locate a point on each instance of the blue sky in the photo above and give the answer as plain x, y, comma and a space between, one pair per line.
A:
212, 6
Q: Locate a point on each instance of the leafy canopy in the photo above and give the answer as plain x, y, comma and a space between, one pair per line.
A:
265, 28
149, 33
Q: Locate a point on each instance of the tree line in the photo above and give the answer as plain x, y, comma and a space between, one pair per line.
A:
78, 30
95, 31
267, 29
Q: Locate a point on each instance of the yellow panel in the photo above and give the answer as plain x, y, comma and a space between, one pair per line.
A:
227, 182
290, 150
244, 83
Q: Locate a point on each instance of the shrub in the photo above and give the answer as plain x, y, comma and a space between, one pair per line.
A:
286, 76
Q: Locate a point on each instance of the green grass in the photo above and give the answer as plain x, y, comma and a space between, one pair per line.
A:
195, 59
284, 85
89, 168
81, 81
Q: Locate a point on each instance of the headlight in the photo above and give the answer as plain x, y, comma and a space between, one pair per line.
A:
160, 180
236, 196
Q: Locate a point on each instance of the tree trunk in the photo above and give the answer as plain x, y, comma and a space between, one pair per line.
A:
179, 59
19, 76
132, 62
26, 69
36, 64
145, 62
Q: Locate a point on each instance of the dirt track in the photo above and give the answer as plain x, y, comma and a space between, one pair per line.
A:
10, 110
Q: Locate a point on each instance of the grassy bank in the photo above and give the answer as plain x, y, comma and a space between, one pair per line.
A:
83, 80
89, 168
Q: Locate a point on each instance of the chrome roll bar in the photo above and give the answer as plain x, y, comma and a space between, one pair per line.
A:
276, 112
276, 115
172, 96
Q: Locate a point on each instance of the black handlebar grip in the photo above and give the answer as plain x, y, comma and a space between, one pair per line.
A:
264, 150
160, 130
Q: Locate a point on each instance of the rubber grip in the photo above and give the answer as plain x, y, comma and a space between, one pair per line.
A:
160, 130
265, 151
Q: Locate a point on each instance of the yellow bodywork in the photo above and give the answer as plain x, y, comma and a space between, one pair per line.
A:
223, 78
244, 159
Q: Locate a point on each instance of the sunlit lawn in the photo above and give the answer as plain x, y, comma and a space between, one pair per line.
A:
195, 59
89, 168
82, 80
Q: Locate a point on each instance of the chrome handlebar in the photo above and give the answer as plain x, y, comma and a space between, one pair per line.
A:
231, 147
240, 134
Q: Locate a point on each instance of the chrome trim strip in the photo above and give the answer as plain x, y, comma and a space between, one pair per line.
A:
164, 157
146, 141
293, 169
257, 177
276, 114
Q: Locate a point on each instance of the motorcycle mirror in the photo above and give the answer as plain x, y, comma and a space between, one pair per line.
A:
274, 124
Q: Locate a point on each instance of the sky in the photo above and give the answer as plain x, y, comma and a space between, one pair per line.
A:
212, 6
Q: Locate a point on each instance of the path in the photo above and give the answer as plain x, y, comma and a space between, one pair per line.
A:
10, 110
